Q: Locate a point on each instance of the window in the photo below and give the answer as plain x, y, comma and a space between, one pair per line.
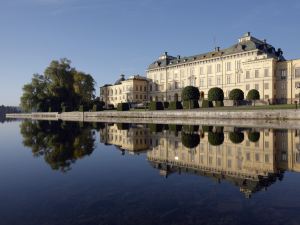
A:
247, 87
256, 73
192, 71
218, 81
176, 84
209, 69
145, 88
297, 72
266, 144
266, 73
169, 86
257, 86
238, 78
248, 74
201, 71
228, 79
228, 66
209, 81
201, 82
238, 65
282, 74
218, 68
266, 86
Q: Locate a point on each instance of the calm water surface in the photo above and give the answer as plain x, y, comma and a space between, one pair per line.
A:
55, 173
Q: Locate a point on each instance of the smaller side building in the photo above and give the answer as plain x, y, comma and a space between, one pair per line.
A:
133, 90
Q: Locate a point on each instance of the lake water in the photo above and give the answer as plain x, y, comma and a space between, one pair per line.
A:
59, 173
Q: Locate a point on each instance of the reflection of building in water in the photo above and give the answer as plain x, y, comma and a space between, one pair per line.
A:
250, 165
250, 160
132, 138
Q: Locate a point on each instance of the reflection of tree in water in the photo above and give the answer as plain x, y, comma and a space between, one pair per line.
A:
60, 143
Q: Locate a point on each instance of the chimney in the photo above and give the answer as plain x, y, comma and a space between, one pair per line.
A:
178, 56
166, 53
122, 76
217, 49
265, 41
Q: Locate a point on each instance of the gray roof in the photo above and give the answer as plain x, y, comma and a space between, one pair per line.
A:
252, 44
119, 81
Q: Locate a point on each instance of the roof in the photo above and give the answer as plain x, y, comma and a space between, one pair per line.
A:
246, 43
119, 81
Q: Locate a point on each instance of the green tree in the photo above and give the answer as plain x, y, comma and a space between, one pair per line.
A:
236, 137
236, 95
253, 95
190, 93
60, 84
60, 143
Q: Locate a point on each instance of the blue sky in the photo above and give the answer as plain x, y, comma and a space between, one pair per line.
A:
108, 37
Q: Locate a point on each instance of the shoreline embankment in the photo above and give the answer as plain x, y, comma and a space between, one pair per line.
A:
288, 118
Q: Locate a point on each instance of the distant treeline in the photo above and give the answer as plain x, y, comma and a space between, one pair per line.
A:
7, 109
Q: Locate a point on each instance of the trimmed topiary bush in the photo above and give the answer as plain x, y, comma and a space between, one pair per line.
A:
236, 95
123, 107
189, 94
207, 104
253, 136
253, 95
190, 140
236, 137
215, 138
156, 106
192, 104
215, 94
175, 105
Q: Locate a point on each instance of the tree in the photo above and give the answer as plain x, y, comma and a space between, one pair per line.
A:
190, 93
253, 95
236, 95
215, 138
215, 94
60, 84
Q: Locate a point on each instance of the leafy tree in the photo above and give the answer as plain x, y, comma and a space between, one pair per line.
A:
215, 138
60, 143
190, 93
236, 95
253, 95
59, 84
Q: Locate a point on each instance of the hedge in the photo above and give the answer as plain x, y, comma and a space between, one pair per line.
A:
123, 107
175, 128
194, 104
207, 128
190, 128
97, 107
156, 106
155, 128
219, 103
175, 105
123, 126
207, 104
166, 105
215, 94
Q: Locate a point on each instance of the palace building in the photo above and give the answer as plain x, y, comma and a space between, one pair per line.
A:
132, 90
249, 64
